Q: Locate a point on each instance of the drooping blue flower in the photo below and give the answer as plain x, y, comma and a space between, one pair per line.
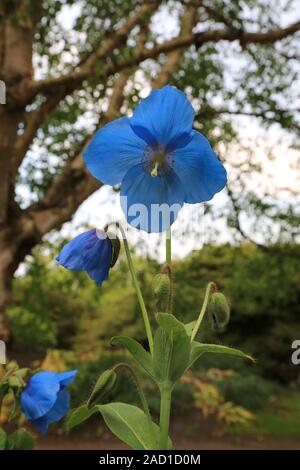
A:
158, 158
90, 251
45, 399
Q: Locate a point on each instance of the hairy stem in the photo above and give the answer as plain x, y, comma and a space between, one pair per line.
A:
164, 423
138, 291
142, 396
168, 246
211, 286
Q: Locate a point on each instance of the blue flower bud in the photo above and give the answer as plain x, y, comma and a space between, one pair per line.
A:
91, 251
219, 310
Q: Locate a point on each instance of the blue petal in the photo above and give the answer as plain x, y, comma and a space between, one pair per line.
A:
60, 408
70, 256
41, 424
39, 395
87, 252
113, 150
57, 412
151, 203
66, 378
97, 259
199, 170
165, 117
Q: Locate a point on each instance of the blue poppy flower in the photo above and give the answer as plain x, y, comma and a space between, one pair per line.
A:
45, 399
158, 159
90, 251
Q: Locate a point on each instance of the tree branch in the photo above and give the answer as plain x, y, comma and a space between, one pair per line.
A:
35, 119
74, 184
264, 114
198, 39
75, 181
189, 20
86, 68
238, 227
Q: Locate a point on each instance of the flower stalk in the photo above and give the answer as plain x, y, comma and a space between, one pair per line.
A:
165, 409
138, 290
211, 287
168, 246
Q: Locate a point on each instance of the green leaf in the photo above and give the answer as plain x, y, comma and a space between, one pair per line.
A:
189, 327
21, 373
21, 440
168, 322
104, 384
2, 439
79, 415
162, 353
15, 382
171, 349
130, 424
142, 357
200, 348
15, 408
3, 390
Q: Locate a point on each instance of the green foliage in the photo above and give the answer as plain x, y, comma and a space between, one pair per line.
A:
250, 391
131, 425
141, 356
79, 415
88, 373
31, 330
172, 348
12, 381
262, 288
54, 307
104, 385
281, 418
20, 440
2, 439
200, 348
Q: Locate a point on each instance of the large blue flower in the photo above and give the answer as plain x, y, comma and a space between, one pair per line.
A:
158, 159
90, 251
45, 399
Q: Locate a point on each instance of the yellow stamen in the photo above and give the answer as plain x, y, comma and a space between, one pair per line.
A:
154, 171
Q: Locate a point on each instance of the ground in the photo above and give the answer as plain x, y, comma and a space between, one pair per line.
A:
108, 442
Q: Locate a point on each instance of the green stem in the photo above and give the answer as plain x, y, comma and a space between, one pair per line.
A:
168, 246
164, 423
142, 396
210, 286
138, 292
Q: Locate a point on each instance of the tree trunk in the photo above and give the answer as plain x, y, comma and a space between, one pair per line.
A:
6, 273
9, 120
5, 290
17, 239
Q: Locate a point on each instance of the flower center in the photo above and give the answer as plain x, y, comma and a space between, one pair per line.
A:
156, 161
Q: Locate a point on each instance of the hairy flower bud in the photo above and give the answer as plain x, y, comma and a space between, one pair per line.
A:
162, 291
104, 384
218, 310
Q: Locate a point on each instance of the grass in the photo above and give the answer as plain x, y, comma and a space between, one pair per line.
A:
281, 418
